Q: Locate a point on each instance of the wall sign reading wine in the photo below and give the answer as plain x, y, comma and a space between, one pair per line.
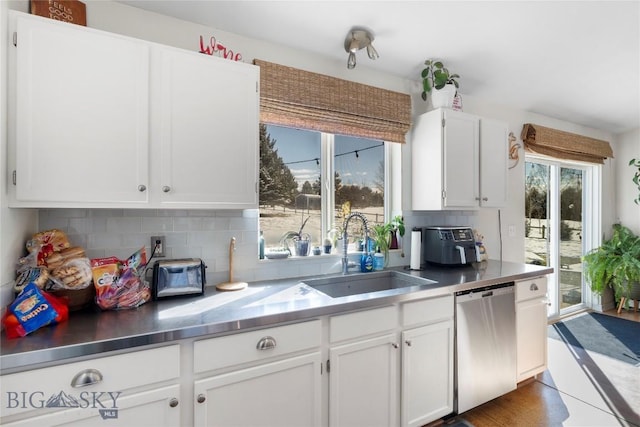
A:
213, 47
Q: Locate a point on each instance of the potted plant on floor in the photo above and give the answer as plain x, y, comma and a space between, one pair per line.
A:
615, 264
442, 85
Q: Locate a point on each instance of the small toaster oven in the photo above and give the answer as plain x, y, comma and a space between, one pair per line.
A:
177, 277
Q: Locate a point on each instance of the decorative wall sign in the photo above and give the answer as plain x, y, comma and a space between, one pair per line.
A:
213, 47
72, 11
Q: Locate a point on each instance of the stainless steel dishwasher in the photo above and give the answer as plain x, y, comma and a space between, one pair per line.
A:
485, 344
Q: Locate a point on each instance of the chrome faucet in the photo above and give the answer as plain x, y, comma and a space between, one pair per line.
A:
345, 260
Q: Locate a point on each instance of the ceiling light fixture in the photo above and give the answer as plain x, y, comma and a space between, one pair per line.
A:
359, 38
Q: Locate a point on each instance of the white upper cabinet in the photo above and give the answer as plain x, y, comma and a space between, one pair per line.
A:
459, 161
82, 115
104, 120
208, 130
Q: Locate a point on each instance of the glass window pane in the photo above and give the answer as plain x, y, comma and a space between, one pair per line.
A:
536, 228
289, 184
570, 237
359, 180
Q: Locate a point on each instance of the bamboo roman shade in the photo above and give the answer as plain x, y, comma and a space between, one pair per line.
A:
564, 145
306, 100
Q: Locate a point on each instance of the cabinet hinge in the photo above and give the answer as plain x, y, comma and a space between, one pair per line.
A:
321, 369
328, 366
443, 120
444, 194
15, 38
13, 177
257, 87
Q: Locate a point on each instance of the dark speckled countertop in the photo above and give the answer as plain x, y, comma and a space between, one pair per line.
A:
263, 303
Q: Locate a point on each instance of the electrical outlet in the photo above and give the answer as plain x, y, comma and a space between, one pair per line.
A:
158, 243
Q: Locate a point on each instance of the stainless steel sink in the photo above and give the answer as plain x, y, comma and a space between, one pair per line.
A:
356, 284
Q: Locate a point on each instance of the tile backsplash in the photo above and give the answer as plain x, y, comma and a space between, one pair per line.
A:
206, 234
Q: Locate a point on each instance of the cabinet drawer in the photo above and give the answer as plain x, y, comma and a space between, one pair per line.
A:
427, 311
119, 373
356, 325
532, 288
216, 353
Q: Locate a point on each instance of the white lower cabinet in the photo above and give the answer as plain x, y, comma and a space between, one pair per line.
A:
121, 390
363, 383
427, 360
282, 393
531, 327
427, 373
267, 377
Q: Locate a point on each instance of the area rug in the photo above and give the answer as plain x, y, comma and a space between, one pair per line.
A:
601, 333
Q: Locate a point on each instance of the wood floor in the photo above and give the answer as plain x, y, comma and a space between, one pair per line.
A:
567, 403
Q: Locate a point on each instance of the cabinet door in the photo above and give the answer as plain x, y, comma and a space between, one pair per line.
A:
284, 393
81, 115
531, 327
493, 163
157, 407
363, 383
208, 131
460, 159
427, 373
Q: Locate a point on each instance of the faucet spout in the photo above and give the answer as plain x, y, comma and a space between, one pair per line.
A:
345, 236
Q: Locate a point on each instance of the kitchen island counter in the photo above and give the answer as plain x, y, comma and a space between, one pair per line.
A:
261, 304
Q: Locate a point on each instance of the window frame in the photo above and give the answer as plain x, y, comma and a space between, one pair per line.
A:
392, 179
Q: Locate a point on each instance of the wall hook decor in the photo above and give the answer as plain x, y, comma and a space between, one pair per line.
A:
514, 151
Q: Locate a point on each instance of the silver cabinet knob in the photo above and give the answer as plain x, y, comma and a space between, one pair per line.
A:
166, 188
394, 345
201, 398
408, 342
86, 377
173, 402
142, 188
485, 199
266, 343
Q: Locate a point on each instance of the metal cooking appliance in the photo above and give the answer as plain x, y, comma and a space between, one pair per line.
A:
177, 277
449, 245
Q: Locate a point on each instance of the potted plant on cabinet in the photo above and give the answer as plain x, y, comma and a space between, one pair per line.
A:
615, 264
442, 85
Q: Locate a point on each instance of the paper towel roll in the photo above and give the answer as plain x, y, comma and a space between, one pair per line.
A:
416, 247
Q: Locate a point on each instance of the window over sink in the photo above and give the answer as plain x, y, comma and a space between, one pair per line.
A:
295, 191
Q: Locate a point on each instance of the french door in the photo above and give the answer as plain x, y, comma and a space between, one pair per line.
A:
560, 214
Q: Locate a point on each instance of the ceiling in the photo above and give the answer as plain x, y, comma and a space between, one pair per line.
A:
577, 61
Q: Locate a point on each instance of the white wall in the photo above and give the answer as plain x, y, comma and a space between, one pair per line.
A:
627, 147
206, 233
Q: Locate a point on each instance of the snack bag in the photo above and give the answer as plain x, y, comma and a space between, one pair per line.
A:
31, 310
121, 284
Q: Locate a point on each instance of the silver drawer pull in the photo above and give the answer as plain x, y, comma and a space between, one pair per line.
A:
173, 402
201, 398
86, 377
266, 343
166, 189
533, 287
142, 188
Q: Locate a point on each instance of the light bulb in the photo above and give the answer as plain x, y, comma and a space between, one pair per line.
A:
351, 62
